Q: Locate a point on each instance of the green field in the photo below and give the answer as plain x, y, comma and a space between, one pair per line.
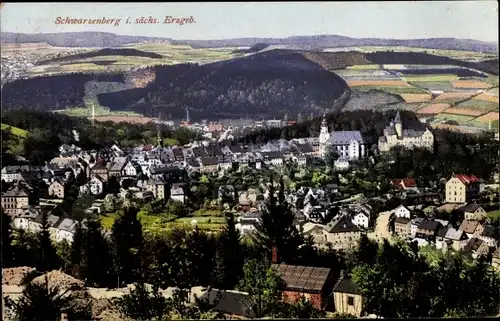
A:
158, 224
393, 89
457, 54
15, 131
479, 105
363, 67
461, 119
429, 78
98, 110
434, 85
484, 125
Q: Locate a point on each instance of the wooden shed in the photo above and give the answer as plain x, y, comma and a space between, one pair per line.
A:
347, 297
314, 283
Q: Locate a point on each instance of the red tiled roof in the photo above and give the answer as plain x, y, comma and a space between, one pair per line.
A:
147, 147
406, 182
467, 179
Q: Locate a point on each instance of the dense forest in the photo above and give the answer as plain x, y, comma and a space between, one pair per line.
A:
51, 92
127, 52
264, 85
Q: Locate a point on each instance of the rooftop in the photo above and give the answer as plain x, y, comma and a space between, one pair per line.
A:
303, 277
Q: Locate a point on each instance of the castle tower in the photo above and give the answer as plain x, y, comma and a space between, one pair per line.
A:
324, 136
398, 124
285, 119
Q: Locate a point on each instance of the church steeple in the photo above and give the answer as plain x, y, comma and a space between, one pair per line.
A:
160, 136
398, 124
324, 135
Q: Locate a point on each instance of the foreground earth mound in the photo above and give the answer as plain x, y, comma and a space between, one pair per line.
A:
14, 276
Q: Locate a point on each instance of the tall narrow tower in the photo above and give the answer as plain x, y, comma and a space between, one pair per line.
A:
324, 136
160, 136
187, 115
93, 114
398, 124
300, 119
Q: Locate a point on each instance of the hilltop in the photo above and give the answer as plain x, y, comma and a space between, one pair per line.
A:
105, 39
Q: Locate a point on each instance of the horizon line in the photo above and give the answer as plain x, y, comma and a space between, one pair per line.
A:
250, 37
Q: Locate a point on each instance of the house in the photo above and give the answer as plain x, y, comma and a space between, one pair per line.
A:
247, 222
347, 297
52, 221
471, 228
427, 230
461, 188
22, 221
116, 169
361, 220
414, 223
233, 304
101, 170
209, 164
15, 200
66, 230
96, 185
131, 169
177, 193
402, 227
341, 164
57, 189
12, 173
158, 187
489, 235
347, 144
402, 211
313, 283
404, 183
477, 248
441, 241
341, 233
457, 238
473, 212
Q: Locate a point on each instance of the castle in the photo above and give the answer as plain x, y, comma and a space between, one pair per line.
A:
396, 135
348, 144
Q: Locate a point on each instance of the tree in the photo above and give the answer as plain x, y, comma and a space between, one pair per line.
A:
229, 256
141, 304
7, 247
263, 285
76, 255
331, 156
127, 240
46, 251
276, 226
39, 302
97, 263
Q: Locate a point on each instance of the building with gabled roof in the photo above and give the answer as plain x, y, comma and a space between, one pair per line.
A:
347, 297
348, 144
461, 188
404, 183
396, 135
314, 283
473, 212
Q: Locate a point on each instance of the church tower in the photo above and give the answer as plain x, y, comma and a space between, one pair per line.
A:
324, 136
160, 137
398, 124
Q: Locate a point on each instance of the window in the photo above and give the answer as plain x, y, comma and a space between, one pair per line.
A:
350, 300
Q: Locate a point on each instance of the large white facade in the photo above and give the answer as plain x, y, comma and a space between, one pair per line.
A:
347, 144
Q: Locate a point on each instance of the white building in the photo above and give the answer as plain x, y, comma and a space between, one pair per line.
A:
361, 220
66, 230
414, 225
347, 144
131, 169
402, 211
341, 164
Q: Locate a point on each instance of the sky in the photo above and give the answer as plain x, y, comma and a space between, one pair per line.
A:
398, 20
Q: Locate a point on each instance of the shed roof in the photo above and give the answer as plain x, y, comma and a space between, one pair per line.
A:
302, 278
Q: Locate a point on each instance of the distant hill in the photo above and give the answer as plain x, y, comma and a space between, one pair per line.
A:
263, 85
104, 52
334, 41
104, 39
76, 39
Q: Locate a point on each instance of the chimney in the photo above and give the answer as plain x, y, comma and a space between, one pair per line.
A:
64, 314
274, 255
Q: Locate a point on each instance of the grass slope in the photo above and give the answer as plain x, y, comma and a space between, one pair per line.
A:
15, 131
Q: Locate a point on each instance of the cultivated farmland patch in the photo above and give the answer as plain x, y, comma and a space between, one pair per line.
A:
453, 97
487, 97
471, 83
432, 109
479, 105
491, 116
395, 83
464, 111
416, 98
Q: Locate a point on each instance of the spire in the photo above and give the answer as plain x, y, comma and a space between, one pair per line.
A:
397, 119
324, 123
187, 115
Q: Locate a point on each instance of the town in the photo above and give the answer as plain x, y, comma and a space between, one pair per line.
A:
196, 186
